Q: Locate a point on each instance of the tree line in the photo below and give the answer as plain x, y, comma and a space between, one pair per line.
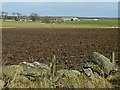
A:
18, 16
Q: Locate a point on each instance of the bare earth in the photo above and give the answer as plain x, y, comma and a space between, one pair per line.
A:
72, 47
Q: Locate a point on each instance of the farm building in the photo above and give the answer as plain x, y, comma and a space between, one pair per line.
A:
47, 19
75, 19
70, 19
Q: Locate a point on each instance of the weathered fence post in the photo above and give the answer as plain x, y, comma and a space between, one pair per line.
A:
53, 65
52, 70
113, 59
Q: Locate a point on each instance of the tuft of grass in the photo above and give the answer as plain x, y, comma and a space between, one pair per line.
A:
82, 81
114, 79
100, 82
73, 81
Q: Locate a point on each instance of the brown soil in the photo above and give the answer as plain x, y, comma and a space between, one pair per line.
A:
72, 47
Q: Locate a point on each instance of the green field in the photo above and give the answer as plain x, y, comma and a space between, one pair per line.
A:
68, 24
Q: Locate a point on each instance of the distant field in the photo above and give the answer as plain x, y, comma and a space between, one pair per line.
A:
69, 24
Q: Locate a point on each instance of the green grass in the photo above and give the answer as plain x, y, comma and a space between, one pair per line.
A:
68, 24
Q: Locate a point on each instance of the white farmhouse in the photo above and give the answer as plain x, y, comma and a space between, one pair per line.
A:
70, 19
74, 19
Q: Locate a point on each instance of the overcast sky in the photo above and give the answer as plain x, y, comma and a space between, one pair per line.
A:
89, 8
79, 9
60, 0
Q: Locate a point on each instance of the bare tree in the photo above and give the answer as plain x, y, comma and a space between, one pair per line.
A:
46, 19
4, 15
14, 15
18, 16
34, 16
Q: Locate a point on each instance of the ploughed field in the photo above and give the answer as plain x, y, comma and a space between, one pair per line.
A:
72, 47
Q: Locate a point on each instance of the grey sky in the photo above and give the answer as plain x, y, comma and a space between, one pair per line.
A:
59, 0
82, 9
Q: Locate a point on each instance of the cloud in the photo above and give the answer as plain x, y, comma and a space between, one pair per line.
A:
60, 0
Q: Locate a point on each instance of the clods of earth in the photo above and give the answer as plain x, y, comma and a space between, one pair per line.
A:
72, 47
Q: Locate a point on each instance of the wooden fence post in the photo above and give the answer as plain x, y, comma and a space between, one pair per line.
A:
113, 59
